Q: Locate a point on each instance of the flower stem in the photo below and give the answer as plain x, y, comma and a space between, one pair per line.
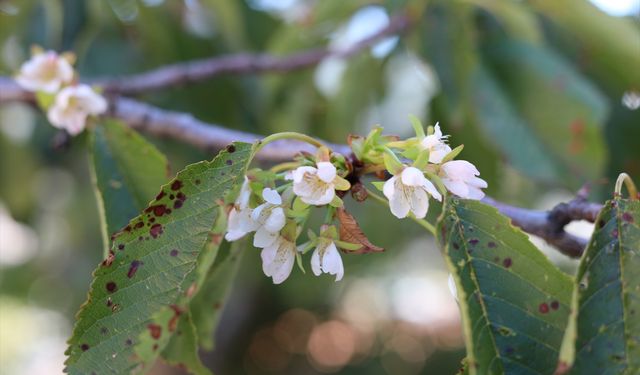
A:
285, 166
289, 135
628, 182
423, 223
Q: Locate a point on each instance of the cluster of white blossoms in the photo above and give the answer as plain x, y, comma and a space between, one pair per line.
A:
276, 220
275, 206
410, 187
67, 102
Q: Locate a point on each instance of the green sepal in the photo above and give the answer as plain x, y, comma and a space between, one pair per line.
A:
392, 164
422, 160
336, 202
347, 245
378, 185
341, 184
44, 99
417, 126
452, 154
299, 262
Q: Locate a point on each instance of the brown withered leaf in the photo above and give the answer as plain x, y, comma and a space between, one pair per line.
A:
350, 232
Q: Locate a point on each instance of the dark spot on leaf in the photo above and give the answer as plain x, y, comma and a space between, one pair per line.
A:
152, 220
111, 287
177, 204
104, 330
507, 262
139, 225
121, 247
168, 211
160, 195
456, 245
115, 307
231, 149
176, 185
555, 305
174, 253
109, 260
197, 182
543, 308
492, 244
509, 350
614, 233
140, 238
156, 230
229, 162
109, 302
128, 342
474, 241
627, 217
217, 305
155, 330
133, 268
159, 210
84, 347
155, 347
173, 322
172, 197
600, 223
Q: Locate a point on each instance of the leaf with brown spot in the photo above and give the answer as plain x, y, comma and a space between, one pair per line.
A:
351, 232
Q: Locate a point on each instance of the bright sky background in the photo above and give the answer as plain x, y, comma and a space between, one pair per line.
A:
619, 7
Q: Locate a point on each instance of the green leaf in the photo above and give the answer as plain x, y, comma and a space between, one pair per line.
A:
605, 46
138, 293
564, 111
604, 334
207, 306
514, 302
510, 133
182, 350
126, 172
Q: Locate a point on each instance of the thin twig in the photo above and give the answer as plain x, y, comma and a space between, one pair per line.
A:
549, 225
197, 70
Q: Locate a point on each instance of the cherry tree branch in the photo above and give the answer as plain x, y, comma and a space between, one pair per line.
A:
548, 225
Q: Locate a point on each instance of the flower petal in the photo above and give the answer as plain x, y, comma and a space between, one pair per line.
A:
419, 203
332, 262
412, 176
276, 220
399, 206
431, 189
389, 187
315, 262
264, 238
326, 171
271, 196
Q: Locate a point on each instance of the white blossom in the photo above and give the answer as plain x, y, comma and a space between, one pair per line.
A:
269, 218
326, 258
278, 259
460, 178
46, 72
73, 105
317, 186
436, 144
240, 222
409, 191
